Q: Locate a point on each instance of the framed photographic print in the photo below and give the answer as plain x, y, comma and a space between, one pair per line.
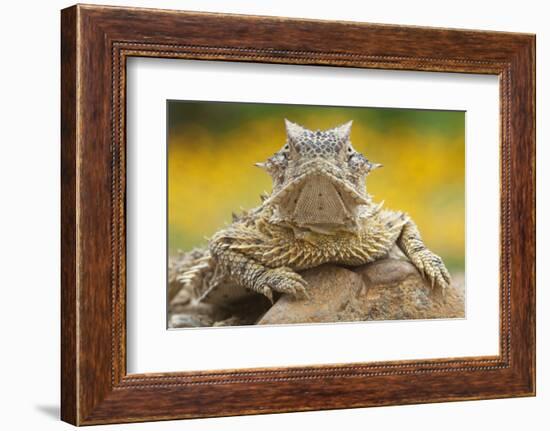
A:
264, 214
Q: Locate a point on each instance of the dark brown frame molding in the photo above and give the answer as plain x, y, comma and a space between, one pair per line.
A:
95, 43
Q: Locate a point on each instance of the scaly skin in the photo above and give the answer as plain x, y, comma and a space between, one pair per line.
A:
319, 212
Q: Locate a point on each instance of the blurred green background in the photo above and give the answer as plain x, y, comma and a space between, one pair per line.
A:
212, 148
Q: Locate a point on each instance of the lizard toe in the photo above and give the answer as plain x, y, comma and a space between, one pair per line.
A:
432, 268
284, 280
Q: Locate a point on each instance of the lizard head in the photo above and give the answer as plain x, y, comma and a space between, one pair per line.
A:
318, 178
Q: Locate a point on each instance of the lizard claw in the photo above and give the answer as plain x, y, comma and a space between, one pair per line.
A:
268, 293
282, 280
433, 269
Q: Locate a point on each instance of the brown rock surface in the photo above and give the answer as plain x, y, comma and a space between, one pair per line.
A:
395, 290
388, 289
330, 289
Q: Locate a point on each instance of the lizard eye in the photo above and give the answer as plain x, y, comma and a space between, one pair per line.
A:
351, 154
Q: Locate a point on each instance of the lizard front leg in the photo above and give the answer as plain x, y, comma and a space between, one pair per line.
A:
230, 253
429, 264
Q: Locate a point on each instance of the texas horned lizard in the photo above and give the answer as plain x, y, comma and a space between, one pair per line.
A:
318, 212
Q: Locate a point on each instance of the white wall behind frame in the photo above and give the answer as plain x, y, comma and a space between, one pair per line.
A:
152, 348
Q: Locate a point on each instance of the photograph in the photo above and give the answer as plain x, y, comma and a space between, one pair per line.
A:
302, 214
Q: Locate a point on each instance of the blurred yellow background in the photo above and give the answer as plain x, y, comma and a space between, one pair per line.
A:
212, 148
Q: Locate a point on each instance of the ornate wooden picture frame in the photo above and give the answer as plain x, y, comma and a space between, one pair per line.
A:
96, 41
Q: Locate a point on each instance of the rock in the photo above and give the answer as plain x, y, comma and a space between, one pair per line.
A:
388, 289
330, 289
395, 290
230, 295
186, 320
187, 314
386, 272
194, 315
181, 298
